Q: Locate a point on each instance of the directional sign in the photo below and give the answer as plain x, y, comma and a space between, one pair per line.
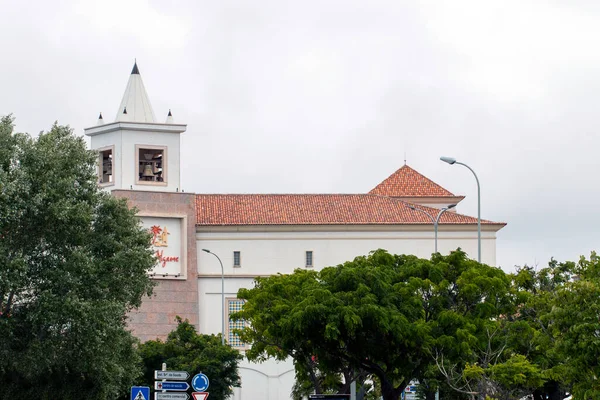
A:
200, 382
174, 375
199, 395
170, 396
176, 386
140, 393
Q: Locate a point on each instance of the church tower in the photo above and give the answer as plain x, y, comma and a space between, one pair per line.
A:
135, 151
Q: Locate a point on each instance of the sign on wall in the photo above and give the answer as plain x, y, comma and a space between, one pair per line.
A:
168, 245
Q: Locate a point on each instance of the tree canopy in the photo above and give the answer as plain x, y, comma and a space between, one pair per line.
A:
382, 314
73, 262
186, 350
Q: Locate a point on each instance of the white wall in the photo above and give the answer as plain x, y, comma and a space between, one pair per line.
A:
129, 167
266, 253
111, 139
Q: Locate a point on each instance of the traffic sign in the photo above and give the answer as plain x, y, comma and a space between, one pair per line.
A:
140, 393
176, 386
170, 396
175, 375
199, 395
200, 382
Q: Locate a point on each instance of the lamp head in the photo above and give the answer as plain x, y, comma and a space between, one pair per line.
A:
451, 206
449, 160
412, 207
206, 250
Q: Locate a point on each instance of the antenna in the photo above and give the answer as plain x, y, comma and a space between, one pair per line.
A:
404, 157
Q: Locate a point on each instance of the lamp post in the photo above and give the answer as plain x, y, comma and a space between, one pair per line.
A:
222, 296
452, 161
435, 220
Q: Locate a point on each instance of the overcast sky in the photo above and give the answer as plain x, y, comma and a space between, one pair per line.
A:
328, 96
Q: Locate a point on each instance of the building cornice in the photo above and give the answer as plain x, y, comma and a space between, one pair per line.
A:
135, 126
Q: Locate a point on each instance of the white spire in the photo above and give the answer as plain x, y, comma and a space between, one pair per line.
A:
169, 118
135, 106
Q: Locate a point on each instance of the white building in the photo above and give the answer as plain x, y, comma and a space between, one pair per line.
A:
256, 234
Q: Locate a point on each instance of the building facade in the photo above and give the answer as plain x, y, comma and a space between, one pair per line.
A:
255, 234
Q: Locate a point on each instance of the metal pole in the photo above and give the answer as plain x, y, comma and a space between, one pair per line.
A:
222, 295
434, 220
437, 221
478, 211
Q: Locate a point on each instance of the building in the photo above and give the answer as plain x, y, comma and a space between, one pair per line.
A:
255, 234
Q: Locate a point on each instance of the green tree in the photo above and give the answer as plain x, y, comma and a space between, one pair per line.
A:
186, 350
73, 262
382, 314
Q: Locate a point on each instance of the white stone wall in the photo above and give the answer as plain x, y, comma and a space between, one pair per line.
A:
132, 138
125, 167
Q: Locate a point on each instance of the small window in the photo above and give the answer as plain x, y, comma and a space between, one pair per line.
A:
236, 259
309, 258
105, 167
151, 165
233, 339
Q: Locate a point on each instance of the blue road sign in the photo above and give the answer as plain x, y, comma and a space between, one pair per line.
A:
140, 393
176, 386
200, 382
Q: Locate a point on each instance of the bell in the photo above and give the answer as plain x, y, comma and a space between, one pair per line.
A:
148, 171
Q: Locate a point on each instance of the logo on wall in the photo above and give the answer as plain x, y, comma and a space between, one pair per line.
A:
160, 238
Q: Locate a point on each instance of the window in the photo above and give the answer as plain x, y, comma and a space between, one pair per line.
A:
151, 165
233, 306
236, 259
105, 167
309, 258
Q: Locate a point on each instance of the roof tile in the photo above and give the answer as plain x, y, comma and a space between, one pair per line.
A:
314, 209
406, 182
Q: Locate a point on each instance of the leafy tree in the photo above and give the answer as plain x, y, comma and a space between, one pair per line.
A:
186, 350
573, 326
73, 262
382, 314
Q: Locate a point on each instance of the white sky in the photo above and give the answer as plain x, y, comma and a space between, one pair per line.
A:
328, 96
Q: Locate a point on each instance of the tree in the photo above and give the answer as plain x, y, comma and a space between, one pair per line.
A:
381, 314
186, 350
73, 262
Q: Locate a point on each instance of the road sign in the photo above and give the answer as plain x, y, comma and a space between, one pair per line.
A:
199, 395
170, 396
200, 382
174, 375
176, 386
140, 393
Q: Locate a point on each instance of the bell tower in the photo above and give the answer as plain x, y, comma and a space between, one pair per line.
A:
136, 152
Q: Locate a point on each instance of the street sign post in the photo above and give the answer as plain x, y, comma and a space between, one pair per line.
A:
200, 382
176, 386
140, 393
173, 375
170, 396
199, 395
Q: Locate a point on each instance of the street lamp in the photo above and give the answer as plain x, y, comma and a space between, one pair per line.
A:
222, 296
452, 161
435, 220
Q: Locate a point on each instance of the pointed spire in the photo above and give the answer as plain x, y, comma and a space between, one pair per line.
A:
100, 120
135, 106
169, 118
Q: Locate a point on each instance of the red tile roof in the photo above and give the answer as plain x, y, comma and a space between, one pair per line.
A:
314, 209
406, 182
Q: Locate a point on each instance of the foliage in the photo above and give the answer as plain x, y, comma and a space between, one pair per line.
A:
382, 314
186, 350
73, 262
